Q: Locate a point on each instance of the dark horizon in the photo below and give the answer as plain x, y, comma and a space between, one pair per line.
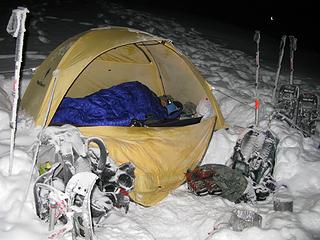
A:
271, 17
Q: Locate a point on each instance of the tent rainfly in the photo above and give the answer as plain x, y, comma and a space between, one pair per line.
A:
104, 57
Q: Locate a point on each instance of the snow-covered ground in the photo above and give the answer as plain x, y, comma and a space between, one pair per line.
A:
231, 71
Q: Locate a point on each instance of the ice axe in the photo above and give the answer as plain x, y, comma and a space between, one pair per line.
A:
16, 28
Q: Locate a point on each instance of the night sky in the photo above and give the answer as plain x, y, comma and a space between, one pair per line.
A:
272, 17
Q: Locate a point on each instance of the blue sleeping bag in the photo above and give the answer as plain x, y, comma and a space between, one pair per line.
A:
115, 106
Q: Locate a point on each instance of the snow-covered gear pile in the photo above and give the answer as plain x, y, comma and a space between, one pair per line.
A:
254, 155
82, 184
217, 179
248, 175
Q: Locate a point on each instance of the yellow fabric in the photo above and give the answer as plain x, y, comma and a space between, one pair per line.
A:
161, 155
101, 58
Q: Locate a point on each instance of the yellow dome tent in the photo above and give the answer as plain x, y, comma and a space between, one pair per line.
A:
104, 57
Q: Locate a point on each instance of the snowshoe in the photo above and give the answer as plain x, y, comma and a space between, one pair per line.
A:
254, 156
286, 106
307, 113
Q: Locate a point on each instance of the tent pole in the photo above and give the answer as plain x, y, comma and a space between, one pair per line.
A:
157, 66
34, 161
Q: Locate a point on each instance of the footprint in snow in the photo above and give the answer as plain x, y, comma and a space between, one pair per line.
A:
51, 17
66, 19
43, 39
86, 23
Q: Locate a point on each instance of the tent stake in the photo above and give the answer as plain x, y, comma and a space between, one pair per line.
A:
16, 27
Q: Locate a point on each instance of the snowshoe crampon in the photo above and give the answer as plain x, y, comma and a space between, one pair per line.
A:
216, 179
79, 185
254, 155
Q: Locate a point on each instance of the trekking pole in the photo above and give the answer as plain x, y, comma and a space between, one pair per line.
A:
293, 48
55, 74
16, 28
256, 38
281, 52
